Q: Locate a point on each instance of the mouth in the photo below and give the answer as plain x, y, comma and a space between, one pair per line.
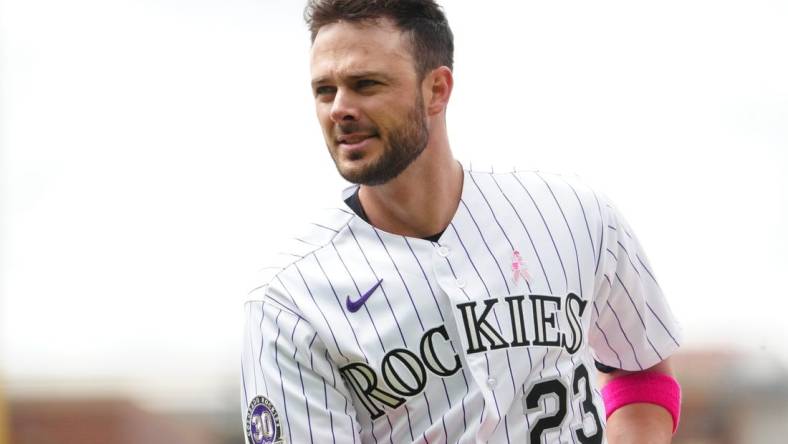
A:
354, 141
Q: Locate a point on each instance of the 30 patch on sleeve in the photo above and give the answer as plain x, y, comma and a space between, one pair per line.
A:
262, 422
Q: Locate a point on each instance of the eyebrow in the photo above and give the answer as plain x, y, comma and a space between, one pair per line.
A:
354, 76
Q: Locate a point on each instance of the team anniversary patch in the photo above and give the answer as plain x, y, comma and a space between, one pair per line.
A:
262, 422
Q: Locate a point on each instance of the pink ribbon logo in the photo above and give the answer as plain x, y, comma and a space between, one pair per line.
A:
518, 268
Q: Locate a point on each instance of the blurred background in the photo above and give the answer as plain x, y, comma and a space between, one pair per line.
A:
153, 151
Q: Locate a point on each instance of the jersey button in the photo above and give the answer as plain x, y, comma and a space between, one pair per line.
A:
443, 251
461, 283
491, 382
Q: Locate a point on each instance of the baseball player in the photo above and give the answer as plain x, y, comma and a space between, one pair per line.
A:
438, 304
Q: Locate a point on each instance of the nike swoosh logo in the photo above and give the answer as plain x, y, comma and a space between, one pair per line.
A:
355, 306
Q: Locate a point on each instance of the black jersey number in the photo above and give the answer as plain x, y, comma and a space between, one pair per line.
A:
588, 407
555, 388
550, 387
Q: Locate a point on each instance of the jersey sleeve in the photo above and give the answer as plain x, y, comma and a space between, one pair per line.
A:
292, 391
632, 326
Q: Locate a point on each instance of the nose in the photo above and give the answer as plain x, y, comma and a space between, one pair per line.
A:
344, 107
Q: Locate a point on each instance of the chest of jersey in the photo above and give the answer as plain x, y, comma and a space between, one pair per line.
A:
497, 301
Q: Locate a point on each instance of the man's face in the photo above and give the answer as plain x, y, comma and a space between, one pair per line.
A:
368, 99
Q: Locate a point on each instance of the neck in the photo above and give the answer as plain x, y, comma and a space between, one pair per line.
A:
422, 200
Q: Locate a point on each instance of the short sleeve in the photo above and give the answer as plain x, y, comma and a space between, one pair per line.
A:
632, 326
291, 391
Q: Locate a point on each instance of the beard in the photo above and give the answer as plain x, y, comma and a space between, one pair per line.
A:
401, 147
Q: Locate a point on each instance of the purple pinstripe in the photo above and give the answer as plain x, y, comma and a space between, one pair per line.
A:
547, 227
281, 382
341, 308
328, 324
437, 306
618, 320
371, 319
407, 290
618, 278
382, 288
495, 398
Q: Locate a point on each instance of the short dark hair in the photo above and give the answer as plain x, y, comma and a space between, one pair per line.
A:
431, 38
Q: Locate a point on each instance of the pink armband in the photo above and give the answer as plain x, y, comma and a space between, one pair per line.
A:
649, 387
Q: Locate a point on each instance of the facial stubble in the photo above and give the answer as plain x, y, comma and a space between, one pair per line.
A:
403, 145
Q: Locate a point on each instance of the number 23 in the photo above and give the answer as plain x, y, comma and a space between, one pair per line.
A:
557, 388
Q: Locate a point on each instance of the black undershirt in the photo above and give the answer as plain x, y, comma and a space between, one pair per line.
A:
355, 204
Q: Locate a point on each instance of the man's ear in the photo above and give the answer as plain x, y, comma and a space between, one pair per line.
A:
437, 87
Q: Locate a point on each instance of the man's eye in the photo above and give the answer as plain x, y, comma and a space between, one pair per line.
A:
366, 83
324, 90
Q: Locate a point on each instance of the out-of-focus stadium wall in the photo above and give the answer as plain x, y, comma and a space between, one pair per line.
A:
3, 416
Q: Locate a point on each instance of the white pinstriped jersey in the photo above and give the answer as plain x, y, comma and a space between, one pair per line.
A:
488, 335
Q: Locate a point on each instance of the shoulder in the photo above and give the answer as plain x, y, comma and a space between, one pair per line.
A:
539, 186
281, 265
554, 181
530, 179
